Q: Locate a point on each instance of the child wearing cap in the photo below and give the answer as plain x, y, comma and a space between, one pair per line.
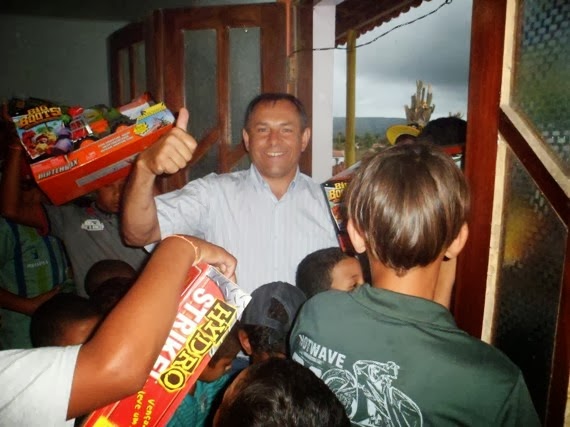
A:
388, 350
328, 268
267, 320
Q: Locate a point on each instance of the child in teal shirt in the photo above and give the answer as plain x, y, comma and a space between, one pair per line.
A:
196, 408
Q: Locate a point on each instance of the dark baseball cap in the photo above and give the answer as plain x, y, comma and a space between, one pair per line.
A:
258, 313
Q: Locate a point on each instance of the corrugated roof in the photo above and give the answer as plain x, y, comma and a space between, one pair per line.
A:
365, 15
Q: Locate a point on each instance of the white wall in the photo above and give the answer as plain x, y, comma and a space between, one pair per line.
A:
323, 74
56, 59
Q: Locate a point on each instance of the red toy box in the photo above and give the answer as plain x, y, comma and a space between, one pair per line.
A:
209, 307
97, 163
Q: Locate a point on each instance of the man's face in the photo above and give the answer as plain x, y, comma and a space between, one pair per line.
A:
347, 275
275, 140
109, 196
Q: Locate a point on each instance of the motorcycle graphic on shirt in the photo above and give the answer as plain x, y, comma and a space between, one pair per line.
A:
367, 393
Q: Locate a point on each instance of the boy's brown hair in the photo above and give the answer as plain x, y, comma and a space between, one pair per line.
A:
408, 202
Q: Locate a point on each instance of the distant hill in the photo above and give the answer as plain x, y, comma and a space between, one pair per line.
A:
372, 125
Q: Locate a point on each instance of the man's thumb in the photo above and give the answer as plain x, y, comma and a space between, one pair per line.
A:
182, 120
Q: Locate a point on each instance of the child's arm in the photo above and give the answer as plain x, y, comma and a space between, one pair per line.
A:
116, 362
24, 305
12, 204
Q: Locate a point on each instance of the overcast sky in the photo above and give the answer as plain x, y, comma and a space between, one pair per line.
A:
434, 49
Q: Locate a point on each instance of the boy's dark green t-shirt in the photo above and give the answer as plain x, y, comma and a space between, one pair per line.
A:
394, 359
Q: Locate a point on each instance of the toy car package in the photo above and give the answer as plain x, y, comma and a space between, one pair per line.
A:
76, 150
334, 191
208, 309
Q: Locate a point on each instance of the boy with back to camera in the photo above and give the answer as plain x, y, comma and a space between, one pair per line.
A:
328, 268
408, 364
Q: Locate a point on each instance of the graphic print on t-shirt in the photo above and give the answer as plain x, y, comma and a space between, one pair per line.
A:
92, 225
365, 389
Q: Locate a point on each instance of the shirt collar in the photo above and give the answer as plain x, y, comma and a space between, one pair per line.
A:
405, 307
258, 179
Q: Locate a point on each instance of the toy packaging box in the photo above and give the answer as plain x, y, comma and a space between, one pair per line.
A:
334, 189
103, 154
208, 309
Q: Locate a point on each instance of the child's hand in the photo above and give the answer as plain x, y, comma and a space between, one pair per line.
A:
211, 254
33, 303
218, 257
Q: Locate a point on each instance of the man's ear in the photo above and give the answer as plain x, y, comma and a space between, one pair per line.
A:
305, 138
355, 237
457, 245
245, 137
244, 341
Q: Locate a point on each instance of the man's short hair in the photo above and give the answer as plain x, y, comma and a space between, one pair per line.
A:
409, 202
51, 319
281, 392
314, 272
273, 97
269, 316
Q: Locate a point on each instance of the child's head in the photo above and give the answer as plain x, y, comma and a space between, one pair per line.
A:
326, 269
108, 197
106, 296
279, 392
268, 318
406, 206
107, 269
64, 319
222, 359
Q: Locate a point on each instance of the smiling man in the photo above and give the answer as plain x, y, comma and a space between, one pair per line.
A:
269, 216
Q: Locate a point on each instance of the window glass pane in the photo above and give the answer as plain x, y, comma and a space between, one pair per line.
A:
542, 73
245, 75
529, 281
124, 77
140, 69
200, 83
206, 165
201, 93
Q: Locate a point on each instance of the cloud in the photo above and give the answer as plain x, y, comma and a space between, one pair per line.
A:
434, 49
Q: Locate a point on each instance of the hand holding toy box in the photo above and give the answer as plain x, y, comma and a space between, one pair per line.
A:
208, 309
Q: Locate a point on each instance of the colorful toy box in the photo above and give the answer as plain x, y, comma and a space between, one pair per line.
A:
97, 162
334, 191
209, 307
